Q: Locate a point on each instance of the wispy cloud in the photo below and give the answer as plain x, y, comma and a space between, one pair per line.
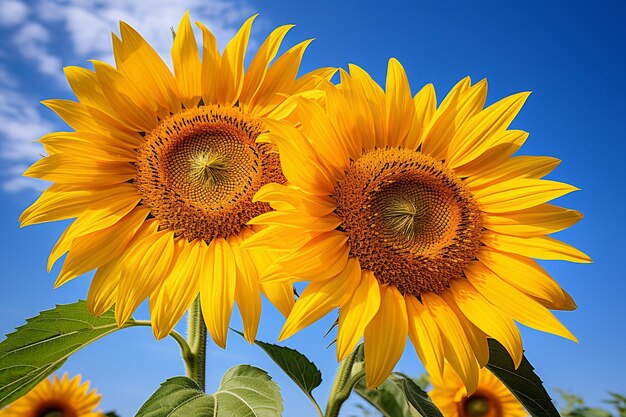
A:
46, 35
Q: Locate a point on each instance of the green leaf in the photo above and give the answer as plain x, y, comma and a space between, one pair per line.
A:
297, 366
522, 382
41, 346
245, 391
416, 396
388, 398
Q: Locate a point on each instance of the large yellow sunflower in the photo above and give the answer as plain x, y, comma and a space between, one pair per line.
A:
491, 398
160, 171
415, 220
56, 398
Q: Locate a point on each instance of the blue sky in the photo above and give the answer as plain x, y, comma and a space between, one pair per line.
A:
571, 54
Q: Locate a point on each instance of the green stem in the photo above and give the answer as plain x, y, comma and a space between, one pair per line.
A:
342, 386
185, 349
196, 335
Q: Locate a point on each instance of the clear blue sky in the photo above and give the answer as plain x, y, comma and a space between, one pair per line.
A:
571, 54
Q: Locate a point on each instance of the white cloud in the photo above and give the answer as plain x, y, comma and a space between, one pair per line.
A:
32, 42
12, 12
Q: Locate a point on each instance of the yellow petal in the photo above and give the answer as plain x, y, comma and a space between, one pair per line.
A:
425, 336
319, 298
505, 145
457, 348
145, 266
400, 109
513, 302
375, 103
321, 258
519, 194
357, 312
255, 75
97, 146
187, 66
278, 238
538, 247
67, 169
217, 291
524, 274
211, 62
297, 220
280, 295
179, 288
488, 318
138, 61
247, 289
288, 198
425, 103
516, 167
231, 69
536, 221
84, 84
385, 337
103, 289
90, 251
473, 138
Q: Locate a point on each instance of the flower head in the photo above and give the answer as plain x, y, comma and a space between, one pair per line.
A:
159, 174
56, 398
491, 398
415, 220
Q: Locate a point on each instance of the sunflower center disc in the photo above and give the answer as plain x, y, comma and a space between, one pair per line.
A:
476, 406
410, 220
198, 171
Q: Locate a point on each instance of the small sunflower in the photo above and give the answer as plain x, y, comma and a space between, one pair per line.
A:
56, 398
160, 172
415, 221
491, 398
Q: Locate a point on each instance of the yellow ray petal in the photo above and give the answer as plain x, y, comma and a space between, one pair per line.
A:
346, 123
505, 145
103, 289
321, 258
217, 290
536, 221
90, 251
357, 312
84, 84
280, 295
425, 104
231, 68
106, 213
519, 194
488, 318
516, 167
247, 289
375, 102
179, 288
384, 343
425, 336
68, 169
187, 65
301, 221
364, 127
288, 198
457, 348
138, 61
211, 62
538, 247
255, 75
319, 298
278, 238
473, 137
97, 146
145, 266
524, 274
513, 302
400, 110
299, 160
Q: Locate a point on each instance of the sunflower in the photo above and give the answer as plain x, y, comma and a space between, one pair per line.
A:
56, 398
491, 398
415, 220
160, 172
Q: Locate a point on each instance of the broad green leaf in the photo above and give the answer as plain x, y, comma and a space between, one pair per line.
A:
388, 398
245, 391
297, 366
41, 346
415, 395
522, 382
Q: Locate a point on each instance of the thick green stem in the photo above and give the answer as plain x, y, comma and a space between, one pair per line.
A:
344, 382
196, 335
